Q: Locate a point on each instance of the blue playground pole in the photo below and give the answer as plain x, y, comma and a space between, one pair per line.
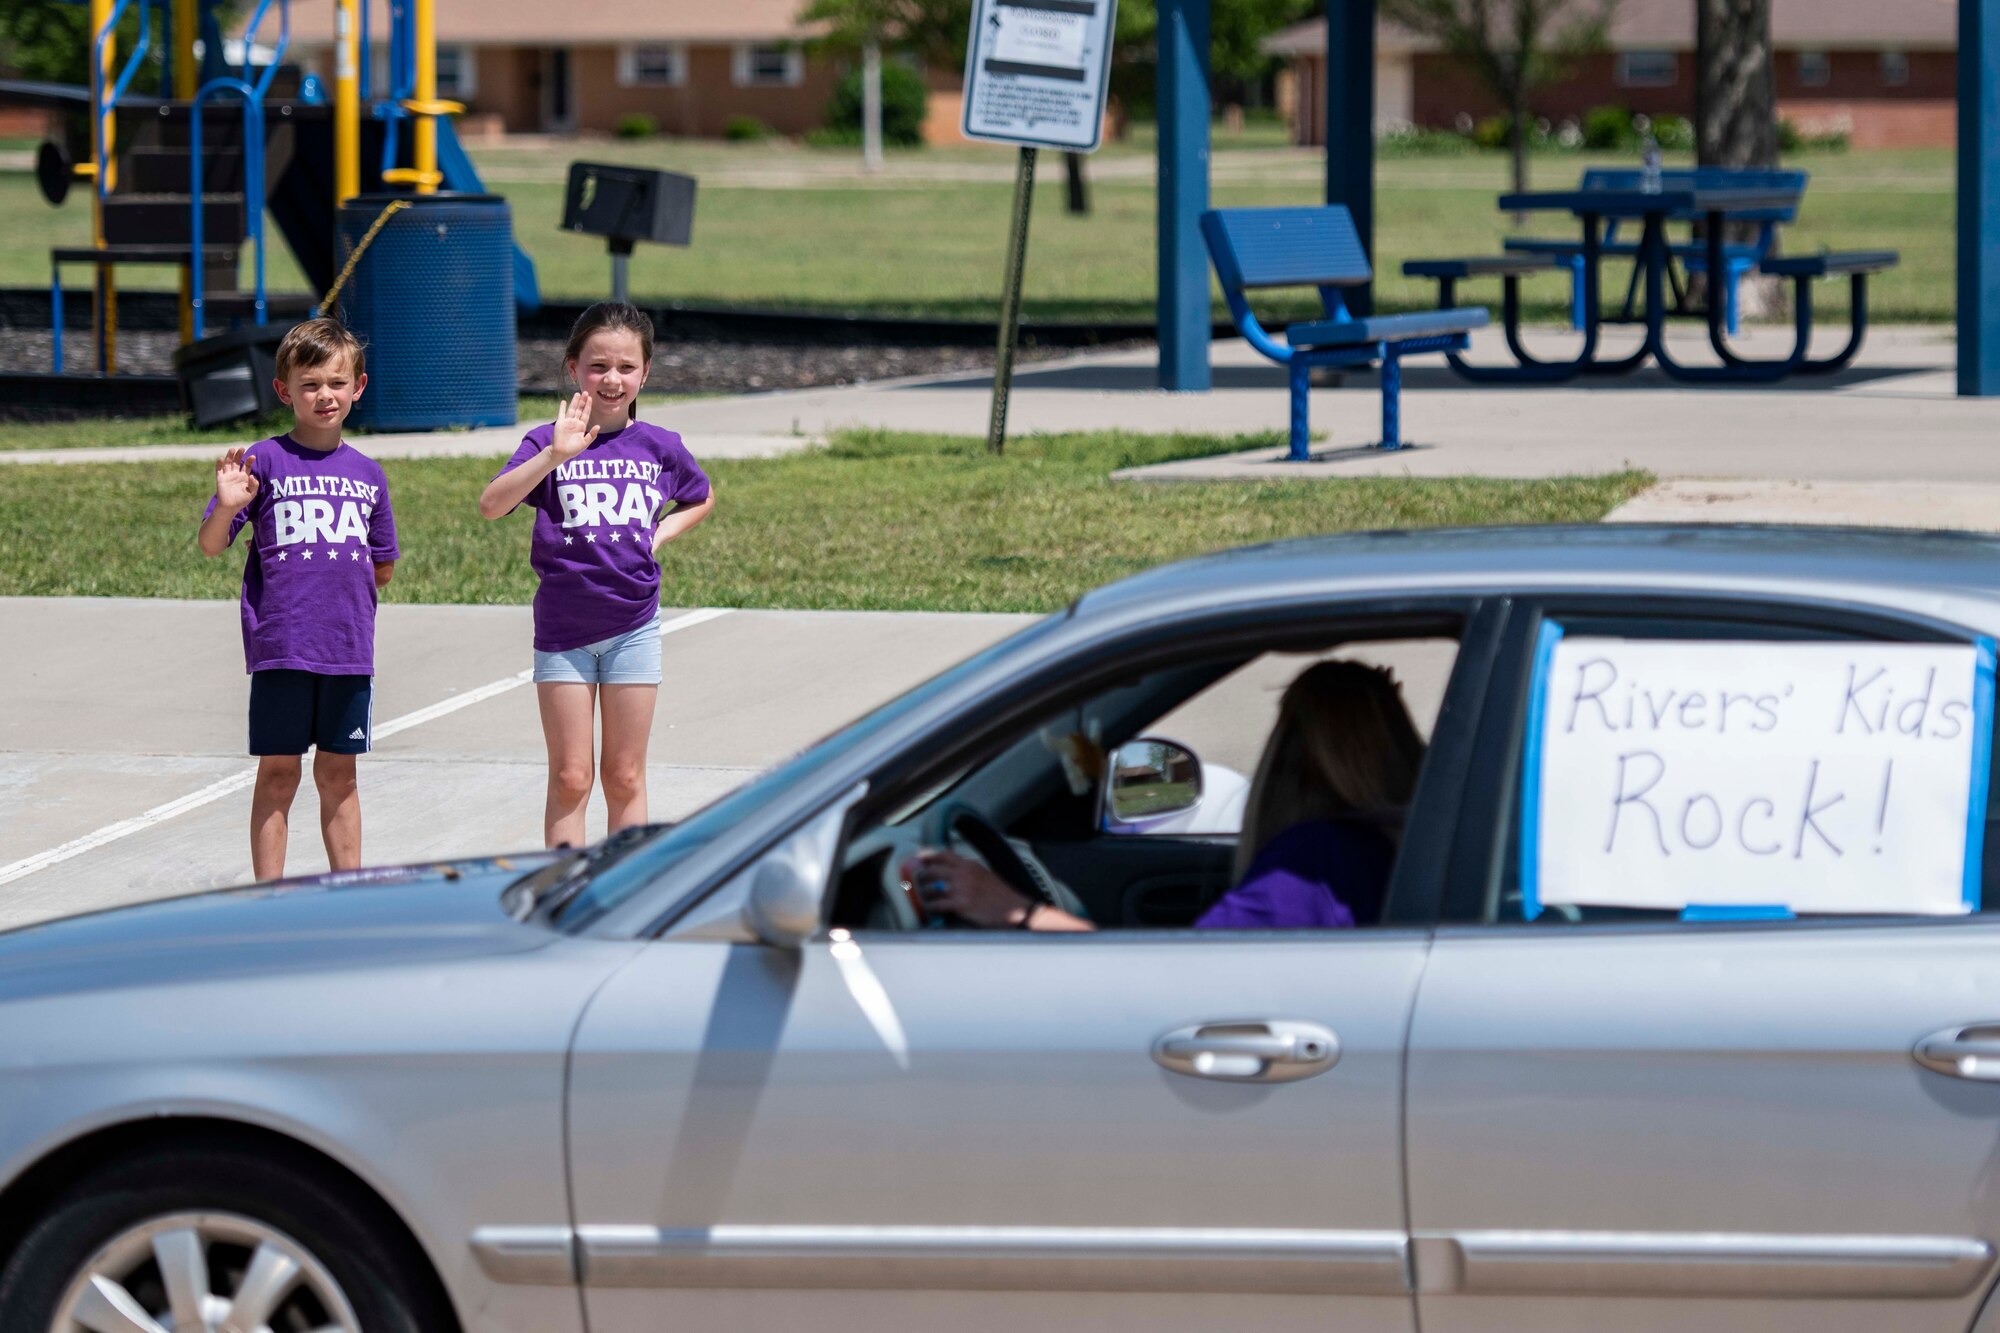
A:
1350, 125
1183, 194
1978, 198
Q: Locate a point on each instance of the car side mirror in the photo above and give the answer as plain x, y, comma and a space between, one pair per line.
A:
1148, 778
788, 886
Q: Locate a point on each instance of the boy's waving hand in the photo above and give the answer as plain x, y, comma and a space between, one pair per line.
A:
235, 483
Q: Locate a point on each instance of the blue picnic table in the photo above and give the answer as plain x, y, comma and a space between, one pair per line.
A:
1715, 205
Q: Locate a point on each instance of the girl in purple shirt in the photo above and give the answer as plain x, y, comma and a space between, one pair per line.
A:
608, 490
1318, 837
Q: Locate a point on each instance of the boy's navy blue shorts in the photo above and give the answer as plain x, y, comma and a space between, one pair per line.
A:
292, 711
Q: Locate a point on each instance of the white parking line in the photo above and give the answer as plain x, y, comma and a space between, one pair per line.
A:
235, 782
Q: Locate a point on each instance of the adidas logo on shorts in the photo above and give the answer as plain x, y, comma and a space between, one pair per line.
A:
358, 734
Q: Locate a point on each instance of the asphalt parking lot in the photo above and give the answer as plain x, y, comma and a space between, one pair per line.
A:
122, 768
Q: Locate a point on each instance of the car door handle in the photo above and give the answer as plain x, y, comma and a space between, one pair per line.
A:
1249, 1051
1963, 1052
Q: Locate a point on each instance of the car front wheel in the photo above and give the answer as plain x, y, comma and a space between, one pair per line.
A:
206, 1239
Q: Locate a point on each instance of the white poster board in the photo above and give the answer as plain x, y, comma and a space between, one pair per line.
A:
1756, 778
1037, 71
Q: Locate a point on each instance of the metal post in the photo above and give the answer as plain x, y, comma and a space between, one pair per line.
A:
1010, 300
1350, 126
871, 107
186, 29
1182, 100
1979, 198
104, 298
346, 101
621, 258
425, 154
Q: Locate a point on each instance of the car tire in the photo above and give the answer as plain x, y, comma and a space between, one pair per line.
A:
102, 1231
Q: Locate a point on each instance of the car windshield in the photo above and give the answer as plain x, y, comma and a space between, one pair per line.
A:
641, 865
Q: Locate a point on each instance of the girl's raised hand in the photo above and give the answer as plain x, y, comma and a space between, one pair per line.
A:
235, 483
573, 432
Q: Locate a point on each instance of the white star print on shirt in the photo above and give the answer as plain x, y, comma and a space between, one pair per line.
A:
590, 536
615, 536
309, 555
284, 555
354, 555
568, 540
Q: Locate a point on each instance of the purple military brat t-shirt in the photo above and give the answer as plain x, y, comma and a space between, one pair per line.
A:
320, 523
594, 522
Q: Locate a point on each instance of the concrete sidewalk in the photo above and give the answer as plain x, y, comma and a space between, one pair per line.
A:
1892, 418
119, 785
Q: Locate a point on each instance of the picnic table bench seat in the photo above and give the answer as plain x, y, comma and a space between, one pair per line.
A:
1855, 266
1319, 247
1833, 263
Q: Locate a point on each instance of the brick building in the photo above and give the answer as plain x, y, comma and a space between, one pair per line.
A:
692, 65
1886, 74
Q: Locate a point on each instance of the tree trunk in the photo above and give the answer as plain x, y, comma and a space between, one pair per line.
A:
871, 107
1735, 113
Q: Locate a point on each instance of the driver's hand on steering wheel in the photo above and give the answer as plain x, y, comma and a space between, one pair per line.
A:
964, 888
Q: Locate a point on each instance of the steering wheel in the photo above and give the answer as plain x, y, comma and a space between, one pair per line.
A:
955, 820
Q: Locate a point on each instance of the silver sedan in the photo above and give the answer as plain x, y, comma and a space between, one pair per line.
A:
731, 1075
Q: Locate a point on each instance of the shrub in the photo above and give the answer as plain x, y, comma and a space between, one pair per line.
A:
1414, 141
636, 125
743, 129
1673, 133
903, 96
1792, 139
1609, 128
1491, 132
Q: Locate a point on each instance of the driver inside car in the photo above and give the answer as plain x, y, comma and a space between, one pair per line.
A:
1319, 830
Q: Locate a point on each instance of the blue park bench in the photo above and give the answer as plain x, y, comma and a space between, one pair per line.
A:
1318, 247
1739, 257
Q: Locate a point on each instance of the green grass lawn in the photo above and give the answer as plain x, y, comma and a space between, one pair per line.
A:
902, 522
102, 432
779, 225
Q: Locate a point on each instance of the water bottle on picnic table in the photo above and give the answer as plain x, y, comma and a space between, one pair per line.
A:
1649, 158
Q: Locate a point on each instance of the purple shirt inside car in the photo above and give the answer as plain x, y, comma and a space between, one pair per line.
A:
1314, 875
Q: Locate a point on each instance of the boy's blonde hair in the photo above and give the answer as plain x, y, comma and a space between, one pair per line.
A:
316, 342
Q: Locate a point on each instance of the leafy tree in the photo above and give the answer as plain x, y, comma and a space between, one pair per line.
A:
1512, 46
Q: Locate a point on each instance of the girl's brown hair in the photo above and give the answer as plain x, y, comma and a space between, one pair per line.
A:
618, 317
1343, 748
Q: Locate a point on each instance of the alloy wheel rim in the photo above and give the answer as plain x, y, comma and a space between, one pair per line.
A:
204, 1272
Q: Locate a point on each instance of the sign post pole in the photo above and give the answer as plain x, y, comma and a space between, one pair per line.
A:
1036, 74
1010, 299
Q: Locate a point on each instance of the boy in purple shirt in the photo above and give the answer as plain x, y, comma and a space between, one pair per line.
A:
323, 544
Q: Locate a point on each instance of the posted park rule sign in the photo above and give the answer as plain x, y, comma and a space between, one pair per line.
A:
1036, 72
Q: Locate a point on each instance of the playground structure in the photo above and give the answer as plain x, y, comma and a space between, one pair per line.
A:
185, 178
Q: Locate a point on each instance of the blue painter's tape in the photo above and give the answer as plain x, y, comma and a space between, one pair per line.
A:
1982, 772
1736, 912
1531, 771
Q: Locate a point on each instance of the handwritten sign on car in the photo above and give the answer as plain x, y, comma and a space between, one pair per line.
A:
1749, 778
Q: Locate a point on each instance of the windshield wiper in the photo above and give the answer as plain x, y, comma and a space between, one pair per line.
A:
545, 891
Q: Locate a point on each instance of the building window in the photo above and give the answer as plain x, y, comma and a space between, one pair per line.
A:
1895, 69
456, 72
1815, 69
1647, 69
768, 64
654, 65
